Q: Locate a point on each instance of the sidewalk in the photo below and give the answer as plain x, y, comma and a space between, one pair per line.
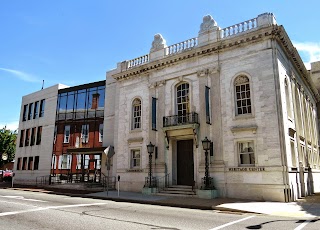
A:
306, 208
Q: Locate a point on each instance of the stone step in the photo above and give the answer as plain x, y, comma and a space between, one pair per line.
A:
178, 189
176, 194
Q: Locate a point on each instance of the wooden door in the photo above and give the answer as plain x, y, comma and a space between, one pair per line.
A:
185, 167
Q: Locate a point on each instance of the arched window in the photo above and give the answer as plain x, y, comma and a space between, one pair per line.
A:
182, 97
136, 114
242, 95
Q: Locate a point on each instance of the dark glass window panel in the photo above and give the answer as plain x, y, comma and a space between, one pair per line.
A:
21, 138
245, 110
39, 134
62, 104
101, 92
30, 163
243, 87
36, 163
36, 109
249, 109
27, 138
81, 102
25, 112
18, 164
42, 105
237, 88
154, 113
30, 111
239, 111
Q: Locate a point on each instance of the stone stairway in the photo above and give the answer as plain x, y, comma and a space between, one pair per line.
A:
178, 190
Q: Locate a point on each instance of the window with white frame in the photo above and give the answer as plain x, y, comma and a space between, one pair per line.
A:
135, 158
242, 95
182, 99
136, 114
86, 161
54, 162
85, 133
98, 160
79, 157
246, 153
100, 132
65, 161
66, 138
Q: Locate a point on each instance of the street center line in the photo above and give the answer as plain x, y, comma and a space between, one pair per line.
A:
47, 208
301, 226
231, 223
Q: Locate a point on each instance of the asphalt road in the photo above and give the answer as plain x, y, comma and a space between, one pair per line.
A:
34, 210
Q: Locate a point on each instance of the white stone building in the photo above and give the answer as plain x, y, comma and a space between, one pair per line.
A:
243, 87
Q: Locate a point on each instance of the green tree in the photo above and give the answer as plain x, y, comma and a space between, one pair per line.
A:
7, 144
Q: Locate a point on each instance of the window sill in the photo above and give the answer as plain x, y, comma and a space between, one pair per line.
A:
243, 116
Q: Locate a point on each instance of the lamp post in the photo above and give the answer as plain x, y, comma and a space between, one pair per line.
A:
206, 146
150, 148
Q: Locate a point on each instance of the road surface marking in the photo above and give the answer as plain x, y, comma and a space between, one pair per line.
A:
22, 198
301, 226
231, 223
47, 208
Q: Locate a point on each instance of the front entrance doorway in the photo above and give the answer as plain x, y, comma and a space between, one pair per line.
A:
185, 166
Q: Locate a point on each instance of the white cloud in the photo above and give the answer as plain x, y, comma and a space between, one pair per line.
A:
309, 52
21, 75
11, 125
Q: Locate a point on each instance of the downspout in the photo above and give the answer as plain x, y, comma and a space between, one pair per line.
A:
280, 122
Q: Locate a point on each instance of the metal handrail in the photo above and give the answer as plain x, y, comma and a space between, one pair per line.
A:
183, 119
163, 182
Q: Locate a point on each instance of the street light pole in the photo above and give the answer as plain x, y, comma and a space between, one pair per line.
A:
206, 146
150, 148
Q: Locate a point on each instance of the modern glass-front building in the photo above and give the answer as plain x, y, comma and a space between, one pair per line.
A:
78, 133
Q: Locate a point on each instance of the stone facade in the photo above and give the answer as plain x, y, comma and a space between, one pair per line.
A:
257, 49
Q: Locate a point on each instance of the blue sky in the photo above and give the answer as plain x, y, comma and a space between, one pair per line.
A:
76, 41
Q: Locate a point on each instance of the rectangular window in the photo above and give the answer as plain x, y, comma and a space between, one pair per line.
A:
135, 158
100, 132
207, 101
66, 134
154, 113
54, 162
24, 163
36, 110
33, 136
39, 134
30, 111
36, 163
246, 153
79, 158
19, 164
25, 112
42, 104
30, 163
85, 133
86, 161
27, 139
65, 161
21, 138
